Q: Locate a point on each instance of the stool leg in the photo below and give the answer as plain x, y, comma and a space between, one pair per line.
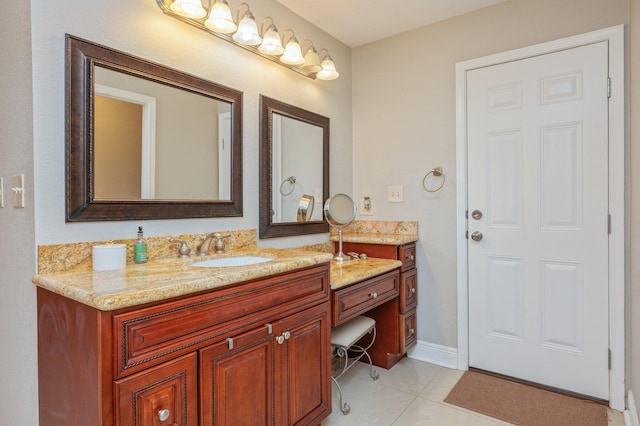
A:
344, 407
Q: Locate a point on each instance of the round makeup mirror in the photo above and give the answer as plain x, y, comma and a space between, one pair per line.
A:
340, 210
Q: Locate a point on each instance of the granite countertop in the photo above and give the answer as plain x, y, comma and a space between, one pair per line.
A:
373, 238
352, 271
162, 279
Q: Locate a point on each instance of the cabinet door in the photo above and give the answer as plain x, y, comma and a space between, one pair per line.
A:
236, 380
408, 332
303, 380
161, 396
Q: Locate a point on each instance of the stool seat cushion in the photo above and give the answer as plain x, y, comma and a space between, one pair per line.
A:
347, 334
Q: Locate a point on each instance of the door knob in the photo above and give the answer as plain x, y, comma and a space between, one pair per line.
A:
476, 236
476, 214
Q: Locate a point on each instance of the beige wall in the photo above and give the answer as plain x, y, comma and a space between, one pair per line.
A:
143, 30
19, 400
634, 162
404, 124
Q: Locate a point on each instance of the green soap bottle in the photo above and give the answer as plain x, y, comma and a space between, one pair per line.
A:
140, 248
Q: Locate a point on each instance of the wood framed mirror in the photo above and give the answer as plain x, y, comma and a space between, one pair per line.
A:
294, 166
183, 158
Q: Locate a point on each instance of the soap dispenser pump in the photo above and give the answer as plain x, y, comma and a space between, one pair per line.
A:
140, 248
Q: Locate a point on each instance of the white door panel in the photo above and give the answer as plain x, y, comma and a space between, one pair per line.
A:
538, 172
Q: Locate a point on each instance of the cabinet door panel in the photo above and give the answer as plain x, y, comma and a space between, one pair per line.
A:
409, 290
304, 362
161, 396
236, 385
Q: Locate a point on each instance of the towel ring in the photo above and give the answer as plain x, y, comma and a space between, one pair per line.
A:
292, 182
436, 172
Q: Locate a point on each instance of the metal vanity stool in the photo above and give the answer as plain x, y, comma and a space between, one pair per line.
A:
344, 339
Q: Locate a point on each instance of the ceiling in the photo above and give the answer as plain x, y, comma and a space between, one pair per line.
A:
357, 22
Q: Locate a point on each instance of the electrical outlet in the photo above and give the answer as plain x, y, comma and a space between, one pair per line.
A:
394, 194
366, 206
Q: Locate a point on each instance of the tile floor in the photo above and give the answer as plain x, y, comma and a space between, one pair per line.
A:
411, 393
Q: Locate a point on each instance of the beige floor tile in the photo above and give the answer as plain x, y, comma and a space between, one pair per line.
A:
425, 412
438, 388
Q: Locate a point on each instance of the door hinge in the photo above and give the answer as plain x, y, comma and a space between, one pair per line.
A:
609, 359
609, 224
608, 87
466, 235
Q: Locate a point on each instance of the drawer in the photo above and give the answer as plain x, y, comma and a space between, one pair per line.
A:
151, 335
409, 290
351, 301
409, 330
407, 254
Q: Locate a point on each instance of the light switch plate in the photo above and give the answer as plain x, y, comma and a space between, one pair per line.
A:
17, 187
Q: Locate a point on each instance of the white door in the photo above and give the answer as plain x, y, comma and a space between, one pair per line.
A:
538, 174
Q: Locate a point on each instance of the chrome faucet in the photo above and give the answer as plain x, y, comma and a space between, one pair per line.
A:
203, 250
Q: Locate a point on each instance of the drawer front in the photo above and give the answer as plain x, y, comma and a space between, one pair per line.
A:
351, 301
149, 336
163, 395
409, 290
409, 331
407, 254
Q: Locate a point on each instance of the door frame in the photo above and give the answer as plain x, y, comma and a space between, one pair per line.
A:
615, 37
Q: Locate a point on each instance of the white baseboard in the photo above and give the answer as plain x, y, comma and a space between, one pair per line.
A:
443, 356
631, 413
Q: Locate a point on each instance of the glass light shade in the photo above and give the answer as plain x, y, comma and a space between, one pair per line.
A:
329, 71
189, 8
311, 61
271, 44
292, 54
247, 31
220, 19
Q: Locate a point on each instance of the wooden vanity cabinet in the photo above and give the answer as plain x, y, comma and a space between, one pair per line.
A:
253, 353
395, 320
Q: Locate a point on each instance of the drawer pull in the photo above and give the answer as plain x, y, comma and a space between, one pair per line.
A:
269, 328
163, 415
410, 257
280, 339
374, 295
413, 290
411, 331
286, 335
230, 341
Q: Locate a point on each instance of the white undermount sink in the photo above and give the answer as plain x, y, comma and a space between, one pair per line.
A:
231, 261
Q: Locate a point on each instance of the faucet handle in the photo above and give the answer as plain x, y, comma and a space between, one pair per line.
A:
183, 250
219, 246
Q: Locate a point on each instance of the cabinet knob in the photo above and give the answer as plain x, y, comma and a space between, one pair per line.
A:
413, 290
374, 295
280, 339
163, 415
411, 257
286, 335
411, 331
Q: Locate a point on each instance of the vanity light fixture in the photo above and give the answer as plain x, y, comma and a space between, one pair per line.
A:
189, 8
216, 19
271, 43
220, 19
311, 59
247, 29
329, 71
292, 53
